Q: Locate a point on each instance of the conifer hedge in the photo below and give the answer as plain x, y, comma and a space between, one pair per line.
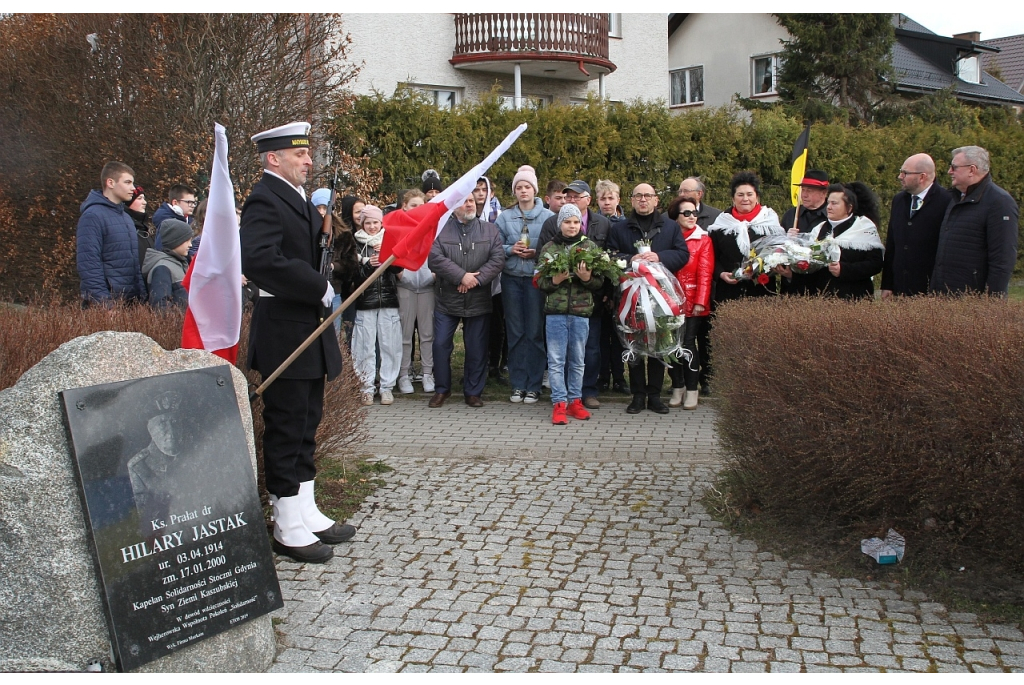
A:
643, 142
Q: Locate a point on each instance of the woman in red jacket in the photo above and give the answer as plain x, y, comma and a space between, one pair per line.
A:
695, 277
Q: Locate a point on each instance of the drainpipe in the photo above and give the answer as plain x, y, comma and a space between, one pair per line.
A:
600, 86
517, 100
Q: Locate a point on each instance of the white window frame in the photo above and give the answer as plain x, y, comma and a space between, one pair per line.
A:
973, 72
615, 25
507, 101
775, 58
686, 85
436, 94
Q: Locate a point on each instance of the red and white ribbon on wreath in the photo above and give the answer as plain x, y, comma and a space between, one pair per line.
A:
639, 290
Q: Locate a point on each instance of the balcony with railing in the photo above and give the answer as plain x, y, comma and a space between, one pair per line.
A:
562, 46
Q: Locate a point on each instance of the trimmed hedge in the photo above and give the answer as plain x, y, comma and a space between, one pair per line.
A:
642, 142
907, 413
27, 334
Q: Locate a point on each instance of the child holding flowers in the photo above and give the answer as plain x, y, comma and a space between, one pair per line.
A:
569, 273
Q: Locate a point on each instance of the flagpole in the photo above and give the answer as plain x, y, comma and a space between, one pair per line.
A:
323, 327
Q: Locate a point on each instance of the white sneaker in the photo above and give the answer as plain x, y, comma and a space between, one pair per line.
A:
531, 397
544, 382
367, 399
386, 397
428, 382
405, 385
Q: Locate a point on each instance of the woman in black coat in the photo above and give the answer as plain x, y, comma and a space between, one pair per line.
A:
732, 233
852, 223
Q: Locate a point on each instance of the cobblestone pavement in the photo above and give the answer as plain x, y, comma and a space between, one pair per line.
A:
601, 560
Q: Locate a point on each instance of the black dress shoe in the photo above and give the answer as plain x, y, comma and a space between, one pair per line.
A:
637, 405
438, 399
474, 401
620, 386
655, 404
338, 532
317, 553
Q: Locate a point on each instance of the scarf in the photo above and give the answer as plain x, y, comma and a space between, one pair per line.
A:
746, 217
367, 240
862, 235
766, 222
695, 233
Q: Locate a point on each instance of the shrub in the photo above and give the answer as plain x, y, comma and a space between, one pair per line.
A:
907, 413
27, 334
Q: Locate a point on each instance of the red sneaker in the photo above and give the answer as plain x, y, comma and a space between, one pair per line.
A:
558, 415
577, 410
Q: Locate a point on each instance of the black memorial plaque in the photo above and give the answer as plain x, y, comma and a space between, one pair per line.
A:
172, 508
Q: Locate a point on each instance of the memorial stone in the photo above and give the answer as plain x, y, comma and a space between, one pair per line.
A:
169, 497
52, 614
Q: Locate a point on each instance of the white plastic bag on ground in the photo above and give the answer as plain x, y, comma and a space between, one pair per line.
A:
887, 551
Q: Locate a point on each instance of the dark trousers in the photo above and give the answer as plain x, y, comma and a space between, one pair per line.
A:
498, 343
655, 376
475, 332
612, 366
292, 410
686, 371
704, 348
592, 357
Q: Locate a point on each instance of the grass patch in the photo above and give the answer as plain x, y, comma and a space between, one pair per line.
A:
344, 484
985, 586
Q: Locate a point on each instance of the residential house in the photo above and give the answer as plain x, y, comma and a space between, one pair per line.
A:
926, 62
1008, 64
713, 57
543, 59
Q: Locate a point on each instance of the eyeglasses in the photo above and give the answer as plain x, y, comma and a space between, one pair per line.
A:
954, 167
644, 196
190, 203
904, 172
688, 212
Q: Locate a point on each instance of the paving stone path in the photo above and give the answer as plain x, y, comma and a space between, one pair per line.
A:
584, 549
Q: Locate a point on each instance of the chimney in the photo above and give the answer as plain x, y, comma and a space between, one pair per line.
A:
973, 36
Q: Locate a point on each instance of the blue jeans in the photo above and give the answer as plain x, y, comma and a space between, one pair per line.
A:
524, 326
567, 343
475, 333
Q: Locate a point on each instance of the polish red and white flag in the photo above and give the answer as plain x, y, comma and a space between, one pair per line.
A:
410, 234
213, 319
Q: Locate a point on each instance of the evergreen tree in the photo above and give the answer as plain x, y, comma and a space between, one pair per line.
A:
837, 64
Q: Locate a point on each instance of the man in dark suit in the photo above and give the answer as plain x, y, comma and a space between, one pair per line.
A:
693, 189
280, 234
914, 222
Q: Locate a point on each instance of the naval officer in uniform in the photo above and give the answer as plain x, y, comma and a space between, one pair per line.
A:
280, 234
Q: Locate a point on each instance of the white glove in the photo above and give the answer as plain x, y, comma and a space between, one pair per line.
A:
328, 297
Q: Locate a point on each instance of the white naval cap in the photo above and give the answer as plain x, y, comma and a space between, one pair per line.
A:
295, 134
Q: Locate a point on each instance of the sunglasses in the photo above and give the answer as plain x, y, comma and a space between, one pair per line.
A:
689, 212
